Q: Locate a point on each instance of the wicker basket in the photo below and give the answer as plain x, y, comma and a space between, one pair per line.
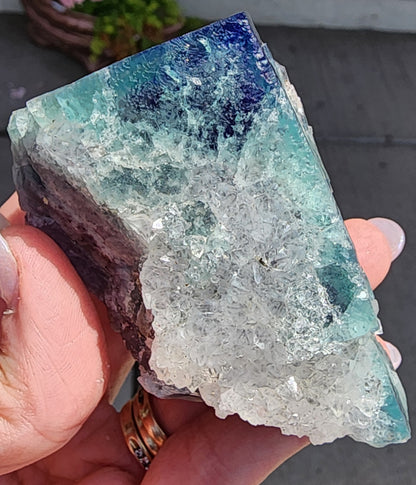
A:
52, 25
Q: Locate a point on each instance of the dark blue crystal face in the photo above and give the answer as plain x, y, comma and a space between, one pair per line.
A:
172, 80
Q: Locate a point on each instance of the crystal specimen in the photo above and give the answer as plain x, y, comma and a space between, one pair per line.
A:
186, 188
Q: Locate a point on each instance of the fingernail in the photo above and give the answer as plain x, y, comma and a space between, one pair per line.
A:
393, 232
392, 351
394, 354
8, 275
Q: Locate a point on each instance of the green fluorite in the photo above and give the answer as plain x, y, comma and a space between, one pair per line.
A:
185, 180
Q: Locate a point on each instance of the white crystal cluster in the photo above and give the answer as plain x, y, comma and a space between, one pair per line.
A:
239, 309
259, 304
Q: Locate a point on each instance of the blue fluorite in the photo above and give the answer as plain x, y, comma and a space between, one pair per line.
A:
185, 186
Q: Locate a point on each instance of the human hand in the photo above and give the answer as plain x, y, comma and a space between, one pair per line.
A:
61, 364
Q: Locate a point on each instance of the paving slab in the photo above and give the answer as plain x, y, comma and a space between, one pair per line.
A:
6, 183
353, 83
26, 69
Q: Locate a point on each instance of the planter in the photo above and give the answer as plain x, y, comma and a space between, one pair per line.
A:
52, 25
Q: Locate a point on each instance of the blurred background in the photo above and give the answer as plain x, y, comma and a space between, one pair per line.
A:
353, 64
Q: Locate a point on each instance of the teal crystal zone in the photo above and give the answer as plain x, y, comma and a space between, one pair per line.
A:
186, 188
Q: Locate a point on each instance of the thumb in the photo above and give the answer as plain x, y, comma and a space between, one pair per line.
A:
53, 362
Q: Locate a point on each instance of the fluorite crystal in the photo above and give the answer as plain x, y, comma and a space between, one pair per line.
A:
185, 185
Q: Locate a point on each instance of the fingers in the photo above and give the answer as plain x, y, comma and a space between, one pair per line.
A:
377, 242
393, 233
53, 364
221, 451
373, 250
392, 351
173, 414
56, 365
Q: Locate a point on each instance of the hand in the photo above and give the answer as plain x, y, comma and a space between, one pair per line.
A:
61, 365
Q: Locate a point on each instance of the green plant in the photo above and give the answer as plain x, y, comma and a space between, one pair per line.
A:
126, 26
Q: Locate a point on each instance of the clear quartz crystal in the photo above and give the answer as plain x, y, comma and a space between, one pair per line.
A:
198, 155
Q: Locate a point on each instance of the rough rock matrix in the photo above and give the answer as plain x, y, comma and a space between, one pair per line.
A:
186, 188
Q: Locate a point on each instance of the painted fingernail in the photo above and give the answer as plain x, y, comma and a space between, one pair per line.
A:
394, 354
393, 232
392, 351
8, 276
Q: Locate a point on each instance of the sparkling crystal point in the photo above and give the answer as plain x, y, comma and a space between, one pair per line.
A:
186, 188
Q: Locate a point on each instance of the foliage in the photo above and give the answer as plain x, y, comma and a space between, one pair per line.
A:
192, 23
127, 26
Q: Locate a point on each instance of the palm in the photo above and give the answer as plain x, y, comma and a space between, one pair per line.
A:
96, 455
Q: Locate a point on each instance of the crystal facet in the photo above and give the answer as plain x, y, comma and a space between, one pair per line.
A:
185, 186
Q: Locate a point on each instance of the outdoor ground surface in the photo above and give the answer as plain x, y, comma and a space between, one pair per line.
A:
358, 89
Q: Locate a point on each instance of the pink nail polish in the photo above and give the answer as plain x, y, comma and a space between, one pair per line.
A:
393, 232
9, 278
392, 351
394, 354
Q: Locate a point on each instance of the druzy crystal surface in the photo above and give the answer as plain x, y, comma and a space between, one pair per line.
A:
186, 188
